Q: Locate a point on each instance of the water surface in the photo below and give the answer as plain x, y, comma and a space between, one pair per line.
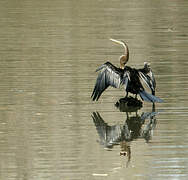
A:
48, 55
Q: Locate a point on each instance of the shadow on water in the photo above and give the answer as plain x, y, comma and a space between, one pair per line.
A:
134, 127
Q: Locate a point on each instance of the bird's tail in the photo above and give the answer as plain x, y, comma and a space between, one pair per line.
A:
149, 97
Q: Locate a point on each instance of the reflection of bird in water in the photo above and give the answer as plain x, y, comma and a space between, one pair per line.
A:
110, 135
148, 129
135, 124
131, 78
124, 134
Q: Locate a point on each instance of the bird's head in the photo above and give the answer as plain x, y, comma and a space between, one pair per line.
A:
147, 66
125, 57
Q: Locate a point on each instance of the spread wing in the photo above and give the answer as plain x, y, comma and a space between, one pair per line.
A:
109, 75
148, 78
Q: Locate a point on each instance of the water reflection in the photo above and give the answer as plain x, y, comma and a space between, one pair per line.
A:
134, 127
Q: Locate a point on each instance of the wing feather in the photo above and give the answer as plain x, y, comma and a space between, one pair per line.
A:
109, 75
151, 75
148, 79
126, 79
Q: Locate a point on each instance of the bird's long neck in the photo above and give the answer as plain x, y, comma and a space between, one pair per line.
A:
126, 51
123, 61
124, 58
122, 66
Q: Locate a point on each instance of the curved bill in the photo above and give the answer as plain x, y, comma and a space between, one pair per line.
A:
118, 42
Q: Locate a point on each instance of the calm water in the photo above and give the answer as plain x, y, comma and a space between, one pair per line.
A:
49, 51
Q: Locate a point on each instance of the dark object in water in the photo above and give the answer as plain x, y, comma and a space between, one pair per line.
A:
128, 104
130, 78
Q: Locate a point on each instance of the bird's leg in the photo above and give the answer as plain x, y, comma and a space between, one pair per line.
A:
127, 116
137, 113
153, 107
126, 95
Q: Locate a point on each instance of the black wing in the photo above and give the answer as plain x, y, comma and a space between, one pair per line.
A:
148, 78
109, 75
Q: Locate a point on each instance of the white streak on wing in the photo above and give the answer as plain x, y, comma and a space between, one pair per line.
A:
143, 78
150, 74
152, 78
108, 76
113, 78
126, 79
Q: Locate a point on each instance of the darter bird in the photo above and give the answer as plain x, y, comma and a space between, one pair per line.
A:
132, 79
